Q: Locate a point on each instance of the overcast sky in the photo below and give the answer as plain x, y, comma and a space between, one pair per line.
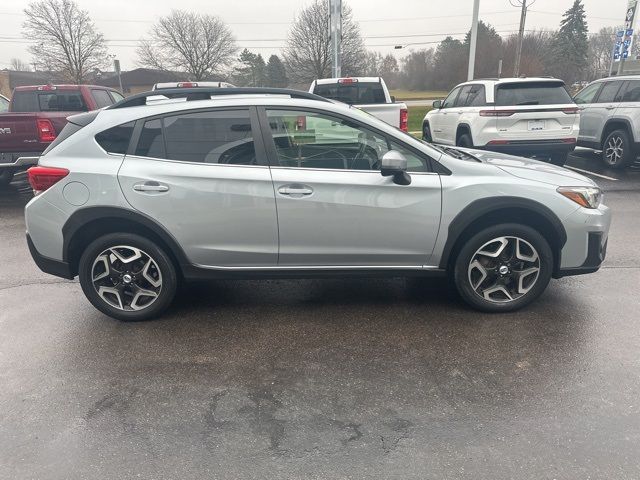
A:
262, 25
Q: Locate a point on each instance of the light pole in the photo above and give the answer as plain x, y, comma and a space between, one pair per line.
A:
474, 40
335, 35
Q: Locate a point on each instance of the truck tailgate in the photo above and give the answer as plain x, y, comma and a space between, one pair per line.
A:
387, 112
19, 131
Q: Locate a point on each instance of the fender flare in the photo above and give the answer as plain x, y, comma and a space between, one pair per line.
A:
484, 206
81, 217
626, 122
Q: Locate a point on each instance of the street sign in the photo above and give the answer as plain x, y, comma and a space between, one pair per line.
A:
624, 38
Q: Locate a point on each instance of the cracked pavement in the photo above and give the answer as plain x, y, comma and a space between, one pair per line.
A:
323, 378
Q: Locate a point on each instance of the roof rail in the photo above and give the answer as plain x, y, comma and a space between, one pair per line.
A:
207, 93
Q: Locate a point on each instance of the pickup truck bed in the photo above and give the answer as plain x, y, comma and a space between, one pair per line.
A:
367, 93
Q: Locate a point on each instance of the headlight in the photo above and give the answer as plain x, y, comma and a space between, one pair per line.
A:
588, 197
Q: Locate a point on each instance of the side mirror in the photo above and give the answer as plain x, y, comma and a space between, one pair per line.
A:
394, 164
393, 98
437, 104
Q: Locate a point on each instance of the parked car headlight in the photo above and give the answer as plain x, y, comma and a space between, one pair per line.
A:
588, 197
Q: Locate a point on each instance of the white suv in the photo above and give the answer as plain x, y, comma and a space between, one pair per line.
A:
526, 116
610, 119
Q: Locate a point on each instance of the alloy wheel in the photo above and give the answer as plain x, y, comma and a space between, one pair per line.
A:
126, 278
614, 150
504, 269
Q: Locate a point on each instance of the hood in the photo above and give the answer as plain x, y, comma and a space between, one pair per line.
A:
532, 169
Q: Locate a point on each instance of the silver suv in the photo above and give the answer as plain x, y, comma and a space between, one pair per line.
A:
610, 119
278, 183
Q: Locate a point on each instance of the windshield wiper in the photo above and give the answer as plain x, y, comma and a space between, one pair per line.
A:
531, 102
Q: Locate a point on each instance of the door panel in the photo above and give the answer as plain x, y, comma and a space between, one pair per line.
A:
213, 196
355, 218
335, 208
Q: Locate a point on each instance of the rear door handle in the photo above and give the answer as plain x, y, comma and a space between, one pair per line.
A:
150, 187
295, 190
610, 107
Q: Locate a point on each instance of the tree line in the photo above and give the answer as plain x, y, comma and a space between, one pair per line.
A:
203, 47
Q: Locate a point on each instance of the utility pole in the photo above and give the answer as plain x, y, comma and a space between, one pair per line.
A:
335, 34
474, 40
523, 17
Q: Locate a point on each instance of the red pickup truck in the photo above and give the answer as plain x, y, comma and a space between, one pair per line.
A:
35, 117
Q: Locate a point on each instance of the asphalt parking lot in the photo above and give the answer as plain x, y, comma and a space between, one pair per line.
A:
325, 378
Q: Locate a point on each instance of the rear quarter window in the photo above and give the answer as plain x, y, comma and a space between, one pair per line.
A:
116, 139
532, 93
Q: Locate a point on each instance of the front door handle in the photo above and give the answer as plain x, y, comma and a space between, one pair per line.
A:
150, 187
295, 190
610, 107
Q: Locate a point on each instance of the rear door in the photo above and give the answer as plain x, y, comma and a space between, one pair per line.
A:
534, 110
629, 104
335, 209
604, 106
204, 177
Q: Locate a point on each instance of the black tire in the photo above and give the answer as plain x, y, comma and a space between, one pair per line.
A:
426, 133
463, 268
6, 176
617, 150
558, 158
465, 141
163, 270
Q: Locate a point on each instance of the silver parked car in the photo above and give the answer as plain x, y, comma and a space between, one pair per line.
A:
610, 119
278, 183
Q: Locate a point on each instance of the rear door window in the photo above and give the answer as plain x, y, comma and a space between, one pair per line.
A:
532, 93
609, 92
354, 93
632, 91
204, 137
471, 96
49, 101
102, 98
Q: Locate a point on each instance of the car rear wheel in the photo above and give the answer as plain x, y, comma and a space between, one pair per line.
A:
127, 277
6, 175
617, 151
503, 268
426, 133
465, 141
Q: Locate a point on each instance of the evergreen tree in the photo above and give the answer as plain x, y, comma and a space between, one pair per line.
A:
570, 48
275, 73
250, 71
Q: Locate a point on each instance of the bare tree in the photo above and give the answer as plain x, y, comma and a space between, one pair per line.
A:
19, 66
67, 40
600, 52
307, 54
198, 44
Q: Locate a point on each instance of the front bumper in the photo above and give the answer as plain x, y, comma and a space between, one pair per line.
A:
18, 160
587, 238
596, 253
49, 265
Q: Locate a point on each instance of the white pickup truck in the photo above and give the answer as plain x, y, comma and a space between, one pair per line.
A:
367, 93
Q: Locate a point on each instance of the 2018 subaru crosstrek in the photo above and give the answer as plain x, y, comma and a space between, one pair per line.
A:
245, 183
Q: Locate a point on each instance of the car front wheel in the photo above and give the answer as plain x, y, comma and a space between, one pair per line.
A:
503, 268
127, 277
426, 133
